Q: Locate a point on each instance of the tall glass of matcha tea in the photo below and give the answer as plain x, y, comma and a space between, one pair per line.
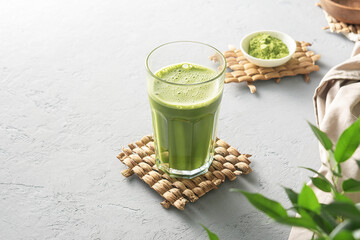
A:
185, 82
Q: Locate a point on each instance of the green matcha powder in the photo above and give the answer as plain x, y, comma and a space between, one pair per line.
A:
265, 46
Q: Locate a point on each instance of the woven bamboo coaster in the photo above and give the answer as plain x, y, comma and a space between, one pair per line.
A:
139, 157
302, 62
351, 31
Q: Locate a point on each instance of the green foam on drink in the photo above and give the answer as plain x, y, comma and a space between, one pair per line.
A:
184, 74
184, 106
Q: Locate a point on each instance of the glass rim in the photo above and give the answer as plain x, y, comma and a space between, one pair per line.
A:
184, 84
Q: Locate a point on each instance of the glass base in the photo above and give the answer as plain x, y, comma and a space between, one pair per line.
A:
189, 174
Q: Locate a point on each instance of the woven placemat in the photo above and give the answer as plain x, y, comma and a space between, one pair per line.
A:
241, 70
351, 31
139, 157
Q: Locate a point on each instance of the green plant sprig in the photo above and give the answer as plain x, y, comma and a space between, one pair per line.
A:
338, 220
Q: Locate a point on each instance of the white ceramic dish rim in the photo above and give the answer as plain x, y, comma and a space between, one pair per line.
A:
252, 34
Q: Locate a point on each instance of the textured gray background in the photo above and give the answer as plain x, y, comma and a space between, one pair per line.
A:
72, 92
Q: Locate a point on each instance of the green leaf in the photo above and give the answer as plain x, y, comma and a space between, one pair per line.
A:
348, 142
351, 185
270, 207
298, 222
314, 171
321, 176
343, 235
321, 184
293, 196
328, 218
212, 236
342, 198
346, 225
322, 137
344, 209
323, 221
305, 214
307, 199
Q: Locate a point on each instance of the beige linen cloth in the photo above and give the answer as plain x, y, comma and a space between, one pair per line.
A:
337, 106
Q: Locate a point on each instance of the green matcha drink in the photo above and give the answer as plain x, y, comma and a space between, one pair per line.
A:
184, 100
184, 123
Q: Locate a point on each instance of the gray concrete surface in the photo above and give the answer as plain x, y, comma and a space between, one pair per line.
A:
72, 92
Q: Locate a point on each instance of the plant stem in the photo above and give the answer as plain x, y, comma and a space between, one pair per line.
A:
334, 179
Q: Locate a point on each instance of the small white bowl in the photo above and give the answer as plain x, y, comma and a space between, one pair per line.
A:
289, 41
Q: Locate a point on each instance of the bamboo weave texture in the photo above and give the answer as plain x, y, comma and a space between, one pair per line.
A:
139, 157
